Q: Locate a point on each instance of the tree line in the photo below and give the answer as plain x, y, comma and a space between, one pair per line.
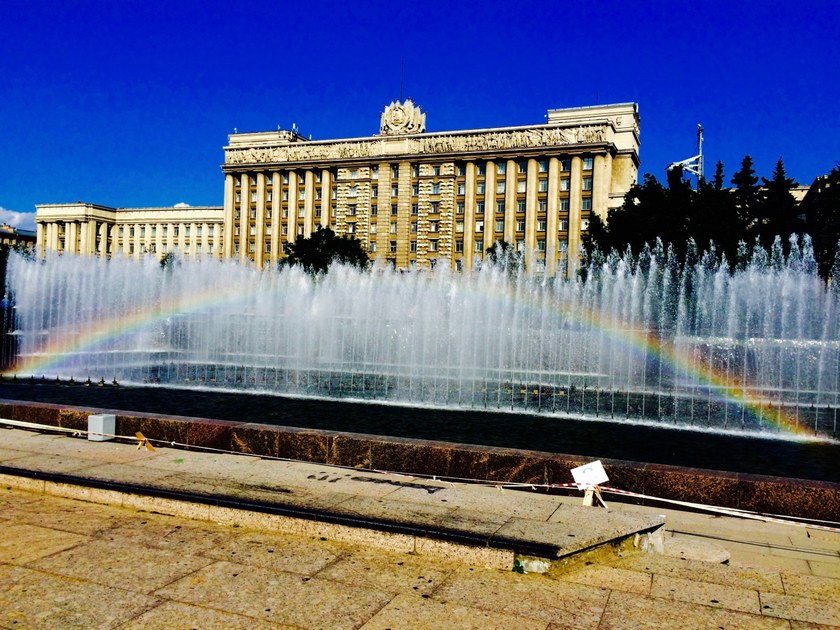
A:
753, 211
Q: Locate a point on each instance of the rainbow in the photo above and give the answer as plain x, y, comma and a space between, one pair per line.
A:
63, 344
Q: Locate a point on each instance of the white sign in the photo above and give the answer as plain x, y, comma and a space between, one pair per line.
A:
590, 475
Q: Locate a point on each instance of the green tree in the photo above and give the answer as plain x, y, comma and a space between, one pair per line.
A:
821, 208
316, 253
504, 255
778, 212
716, 218
747, 196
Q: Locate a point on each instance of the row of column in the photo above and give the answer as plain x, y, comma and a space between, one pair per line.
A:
306, 181
92, 237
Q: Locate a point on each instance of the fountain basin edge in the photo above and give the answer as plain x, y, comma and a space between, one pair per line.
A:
803, 498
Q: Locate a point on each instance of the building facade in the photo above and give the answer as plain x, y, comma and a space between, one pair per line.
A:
90, 229
413, 198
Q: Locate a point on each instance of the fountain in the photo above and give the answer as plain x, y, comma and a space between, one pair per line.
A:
634, 340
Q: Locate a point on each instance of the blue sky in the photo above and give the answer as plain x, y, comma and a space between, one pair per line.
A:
129, 104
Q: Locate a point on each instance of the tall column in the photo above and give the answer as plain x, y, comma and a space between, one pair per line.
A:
40, 239
230, 199
601, 177
102, 250
70, 237
404, 215
276, 217
574, 214
259, 252
489, 204
552, 218
325, 198
244, 215
531, 215
510, 202
469, 216
309, 203
293, 207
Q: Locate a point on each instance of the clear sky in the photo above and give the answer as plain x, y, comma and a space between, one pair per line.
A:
129, 103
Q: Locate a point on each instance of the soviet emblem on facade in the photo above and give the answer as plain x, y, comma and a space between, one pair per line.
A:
401, 118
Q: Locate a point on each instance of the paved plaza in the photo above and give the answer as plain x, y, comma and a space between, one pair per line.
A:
115, 560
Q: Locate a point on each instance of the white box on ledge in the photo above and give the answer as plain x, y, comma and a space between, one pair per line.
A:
102, 427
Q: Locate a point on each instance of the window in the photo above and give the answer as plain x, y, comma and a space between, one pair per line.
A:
541, 245
351, 228
436, 188
433, 245
433, 226
566, 165
238, 197
253, 231
351, 209
435, 207
412, 246
520, 206
318, 177
254, 196
500, 225
543, 205
393, 247
586, 203
479, 245
564, 225
543, 166
500, 187
354, 191
301, 211
175, 230
301, 194
374, 210
165, 230
374, 174
394, 209
587, 164
267, 248
462, 170
253, 213
520, 245
459, 226
414, 227
395, 171
564, 205
131, 231
318, 193
520, 186
393, 227
209, 230
543, 185
268, 231
252, 247
436, 170
415, 190
459, 247
285, 230
236, 215
462, 189
523, 167
501, 167
479, 226
587, 183
374, 191
564, 184
416, 170
500, 207
479, 207
285, 212
268, 196
414, 208
354, 174
122, 231
285, 196
395, 190
459, 209
372, 247
520, 225
584, 224
479, 188
541, 224
372, 229
480, 168
285, 178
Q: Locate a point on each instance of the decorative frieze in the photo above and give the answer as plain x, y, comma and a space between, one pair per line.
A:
534, 137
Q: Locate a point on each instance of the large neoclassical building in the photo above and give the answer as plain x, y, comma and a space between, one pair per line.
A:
413, 198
